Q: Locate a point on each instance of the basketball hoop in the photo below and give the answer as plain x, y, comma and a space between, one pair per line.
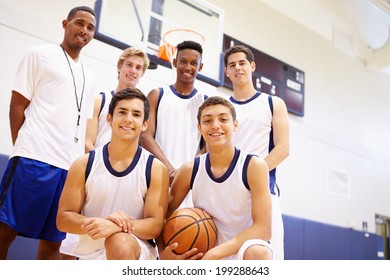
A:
172, 38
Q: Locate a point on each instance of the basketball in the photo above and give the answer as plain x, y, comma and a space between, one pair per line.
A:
190, 228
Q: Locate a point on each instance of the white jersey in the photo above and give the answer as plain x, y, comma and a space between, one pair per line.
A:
177, 125
108, 191
104, 130
255, 135
254, 116
56, 86
215, 195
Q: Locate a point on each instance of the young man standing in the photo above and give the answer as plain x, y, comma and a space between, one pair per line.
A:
263, 130
131, 66
116, 196
48, 113
230, 185
172, 135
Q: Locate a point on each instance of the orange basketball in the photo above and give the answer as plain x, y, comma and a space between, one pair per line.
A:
190, 228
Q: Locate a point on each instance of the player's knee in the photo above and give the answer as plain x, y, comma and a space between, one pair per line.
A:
7, 235
258, 252
122, 246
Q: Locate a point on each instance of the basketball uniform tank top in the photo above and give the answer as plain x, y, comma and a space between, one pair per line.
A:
104, 130
228, 198
108, 191
254, 133
177, 126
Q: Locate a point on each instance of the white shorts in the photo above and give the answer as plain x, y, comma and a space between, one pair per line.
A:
69, 244
246, 245
277, 239
147, 252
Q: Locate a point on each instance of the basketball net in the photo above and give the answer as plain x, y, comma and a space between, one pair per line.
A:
172, 38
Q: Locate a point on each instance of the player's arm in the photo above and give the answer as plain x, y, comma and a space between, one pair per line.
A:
180, 188
18, 105
156, 203
280, 134
93, 125
71, 201
147, 137
257, 176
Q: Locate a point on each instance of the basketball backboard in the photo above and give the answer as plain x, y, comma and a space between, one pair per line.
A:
143, 23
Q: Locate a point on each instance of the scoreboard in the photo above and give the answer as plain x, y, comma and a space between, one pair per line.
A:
274, 77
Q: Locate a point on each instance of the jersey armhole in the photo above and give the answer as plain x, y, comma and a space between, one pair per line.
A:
148, 170
91, 157
103, 101
245, 171
271, 104
194, 171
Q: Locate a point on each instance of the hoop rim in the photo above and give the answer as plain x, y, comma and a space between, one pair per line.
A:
167, 50
185, 30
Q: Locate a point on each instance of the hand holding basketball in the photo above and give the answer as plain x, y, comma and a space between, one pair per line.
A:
190, 228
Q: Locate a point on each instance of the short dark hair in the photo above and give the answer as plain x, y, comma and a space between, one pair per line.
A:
239, 48
129, 93
216, 100
189, 45
73, 12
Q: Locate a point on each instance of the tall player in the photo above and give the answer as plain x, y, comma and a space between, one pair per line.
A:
230, 185
264, 128
48, 112
172, 135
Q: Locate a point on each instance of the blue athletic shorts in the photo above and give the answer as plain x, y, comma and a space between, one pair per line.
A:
29, 194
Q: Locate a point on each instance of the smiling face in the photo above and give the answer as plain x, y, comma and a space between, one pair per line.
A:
187, 63
239, 69
79, 30
217, 125
130, 71
128, 120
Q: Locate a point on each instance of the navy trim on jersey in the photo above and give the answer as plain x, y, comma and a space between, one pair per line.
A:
245, 171
160, 95
271, 133
194, 171
271, 104
128, 169
232, 165
148, 171
181, 95
272, 173
91, 158
103, 101
245, 101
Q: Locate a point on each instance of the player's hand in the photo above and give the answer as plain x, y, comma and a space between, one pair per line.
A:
99, 227
172, 173
123, 220
169, 254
